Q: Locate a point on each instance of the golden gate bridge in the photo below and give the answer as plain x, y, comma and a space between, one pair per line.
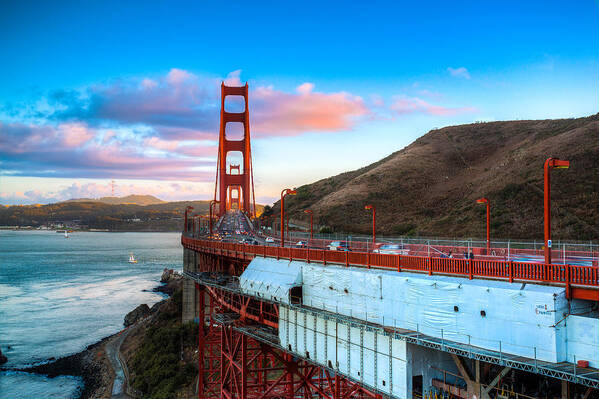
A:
278, 320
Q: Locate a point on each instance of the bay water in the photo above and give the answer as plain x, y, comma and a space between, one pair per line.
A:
58, 295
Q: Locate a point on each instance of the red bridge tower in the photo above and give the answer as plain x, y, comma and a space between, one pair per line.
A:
243, 181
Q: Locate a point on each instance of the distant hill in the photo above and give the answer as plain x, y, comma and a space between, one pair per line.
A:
129, 199
430, 187
97, 214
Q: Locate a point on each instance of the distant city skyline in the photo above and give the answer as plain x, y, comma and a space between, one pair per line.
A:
101, 91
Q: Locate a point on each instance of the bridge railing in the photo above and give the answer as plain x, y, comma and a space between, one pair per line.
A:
579, 252
561, 274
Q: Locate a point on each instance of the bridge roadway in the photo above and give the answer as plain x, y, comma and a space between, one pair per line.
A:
581, 282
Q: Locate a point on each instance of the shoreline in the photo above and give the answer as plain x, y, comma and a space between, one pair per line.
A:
85, 364
90, 364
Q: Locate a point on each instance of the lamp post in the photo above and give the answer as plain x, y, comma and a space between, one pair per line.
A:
486, 201
550, 163
212, 203
311, 224
193, 224
202, 227
187, 209
287, 225
373, 223
284, 193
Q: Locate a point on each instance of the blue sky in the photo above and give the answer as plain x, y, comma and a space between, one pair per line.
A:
96, 91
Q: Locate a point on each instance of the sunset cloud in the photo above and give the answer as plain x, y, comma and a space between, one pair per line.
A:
168, 191
45, 151
166, 127
404, 105
182, 104
280, 113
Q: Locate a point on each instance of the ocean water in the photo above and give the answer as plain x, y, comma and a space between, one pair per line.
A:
58, 295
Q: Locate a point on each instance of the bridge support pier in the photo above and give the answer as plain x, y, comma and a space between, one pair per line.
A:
190, 299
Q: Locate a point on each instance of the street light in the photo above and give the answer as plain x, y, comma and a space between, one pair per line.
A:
311, 224
212, 203
373, 223
485, 200
284, 193
187, 209
287, 224
549, 164
193, 224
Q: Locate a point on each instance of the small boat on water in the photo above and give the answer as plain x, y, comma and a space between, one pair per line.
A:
132, 258
66, 234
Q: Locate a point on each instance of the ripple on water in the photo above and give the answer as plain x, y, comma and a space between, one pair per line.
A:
19, 385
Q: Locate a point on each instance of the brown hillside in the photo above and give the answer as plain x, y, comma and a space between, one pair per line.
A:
430, 187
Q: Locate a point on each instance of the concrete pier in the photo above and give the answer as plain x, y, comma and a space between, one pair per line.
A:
190, 300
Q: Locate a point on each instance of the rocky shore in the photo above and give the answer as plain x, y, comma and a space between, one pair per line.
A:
92, 364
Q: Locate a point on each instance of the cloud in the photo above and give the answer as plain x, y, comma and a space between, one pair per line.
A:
179, 99
164, 190
46, 151
161, 127
460, 72
411, 105
181, 104
233, 78
287, 114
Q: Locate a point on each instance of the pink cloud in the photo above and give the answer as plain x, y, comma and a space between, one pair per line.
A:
74, 134
233, 78
169, 191
181, 104
48, 151
277, 113
411, 105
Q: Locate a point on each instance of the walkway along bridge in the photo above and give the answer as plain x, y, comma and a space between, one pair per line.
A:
282, 322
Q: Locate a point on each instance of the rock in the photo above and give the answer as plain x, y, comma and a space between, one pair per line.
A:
166, 275
3, 359
169, 275
136, 314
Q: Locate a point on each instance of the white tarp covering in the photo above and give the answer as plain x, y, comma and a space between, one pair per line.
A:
518, 319
521, 319
583, 339
348, 291
271, 279
370, 356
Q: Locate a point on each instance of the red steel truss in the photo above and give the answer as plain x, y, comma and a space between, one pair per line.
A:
235, 365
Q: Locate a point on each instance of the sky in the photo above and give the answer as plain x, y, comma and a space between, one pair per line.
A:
97, 91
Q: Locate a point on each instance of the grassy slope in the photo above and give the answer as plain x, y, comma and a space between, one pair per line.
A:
154, 353
430, 187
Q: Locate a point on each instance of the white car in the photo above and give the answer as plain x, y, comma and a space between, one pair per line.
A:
269, 240
391, 249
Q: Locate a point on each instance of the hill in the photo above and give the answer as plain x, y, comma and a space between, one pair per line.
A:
81, 214
164, 216
430, 187
129, 199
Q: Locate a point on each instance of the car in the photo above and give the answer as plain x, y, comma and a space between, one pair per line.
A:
392, 249
269, 240
301, 244
338, 246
